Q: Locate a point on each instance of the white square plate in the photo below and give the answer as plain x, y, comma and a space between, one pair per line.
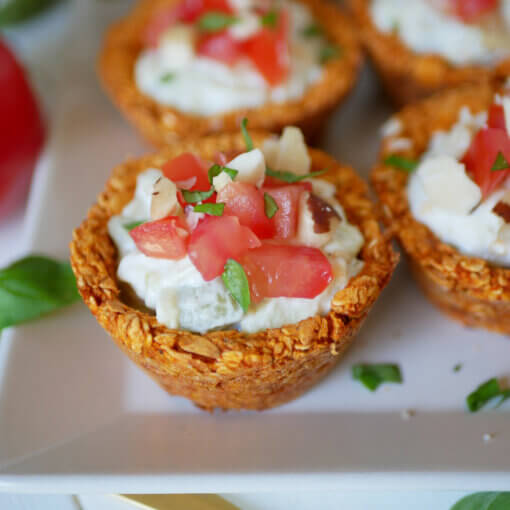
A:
77, 416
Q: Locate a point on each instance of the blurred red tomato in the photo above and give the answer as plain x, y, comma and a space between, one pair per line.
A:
22, 132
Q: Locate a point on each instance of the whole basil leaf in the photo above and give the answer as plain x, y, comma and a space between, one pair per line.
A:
484, 501
34, 286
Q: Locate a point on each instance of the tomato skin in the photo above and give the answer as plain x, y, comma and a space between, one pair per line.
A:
222, 47
286, 218
470, 11
162, 239
187, 171
496, 117
217, 239
272, 182
481, 156
23, 133
275, 270
246, 202
268, 50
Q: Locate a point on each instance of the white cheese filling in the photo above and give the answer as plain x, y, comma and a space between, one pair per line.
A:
174, 75
426, 29
442, 196
182, 299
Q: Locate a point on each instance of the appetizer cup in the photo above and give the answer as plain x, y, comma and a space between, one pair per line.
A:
231, 368
409, 75
453, 175
191, 108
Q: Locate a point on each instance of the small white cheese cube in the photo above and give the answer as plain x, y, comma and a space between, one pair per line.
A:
221, 180
246, 26
306, 234
292, 153
447, 185
177, 46
251, 167
506, 108
164, 199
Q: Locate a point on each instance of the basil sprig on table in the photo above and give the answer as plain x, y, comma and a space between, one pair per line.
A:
236, 281
290, 177
486, 392
401, 163
17, 11
500, 163
34, 286
484, 501
215, 21
373, 375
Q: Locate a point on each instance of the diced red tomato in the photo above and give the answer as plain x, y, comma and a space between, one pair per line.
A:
470, 11
246, 202
481, 156
221, 46
269, 50
188, 172
163, 239
22, 133
286, 271
287, 200
497, 117
217, 239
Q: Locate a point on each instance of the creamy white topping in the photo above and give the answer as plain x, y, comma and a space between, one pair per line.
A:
174, 75
442, 196
427, 29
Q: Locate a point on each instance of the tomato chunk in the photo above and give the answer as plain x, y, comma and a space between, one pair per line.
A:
269, 51
286, 271
246, 202
188, 172
471, 11
482, 155
222, 47
163, 239
217, 239
272, 182
496, 117
287, 200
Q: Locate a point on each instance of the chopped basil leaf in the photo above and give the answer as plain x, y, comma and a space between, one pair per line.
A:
215, 21
270, 205
34, 286
133, 224
270, 19
328, 53
484, 501
457, 367
196, 196
167, 77
501, 163
247, 138
401, 163
505, 395
212, 209
290, 177
372, 376
216, 170
313, 30
236, 281
483, 394
17, 11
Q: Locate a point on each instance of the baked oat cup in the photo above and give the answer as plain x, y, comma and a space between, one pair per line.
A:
469, 289
408, 76
230, 369
163, 124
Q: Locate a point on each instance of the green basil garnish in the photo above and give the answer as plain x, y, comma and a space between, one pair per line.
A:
247, 138
18, 11
216, 170
500, 164
270, 205
313, 30
212, 209
215, 21
457, 367
192, 197
270, 19
372, 376
35, 286
133, 224
328, 53
167, 77
236, 281
401, 163
485, 393
290, 177
484, 501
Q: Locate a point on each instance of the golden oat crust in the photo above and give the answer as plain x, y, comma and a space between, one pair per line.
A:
408, 76
469, 289
229, 369
163, 125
